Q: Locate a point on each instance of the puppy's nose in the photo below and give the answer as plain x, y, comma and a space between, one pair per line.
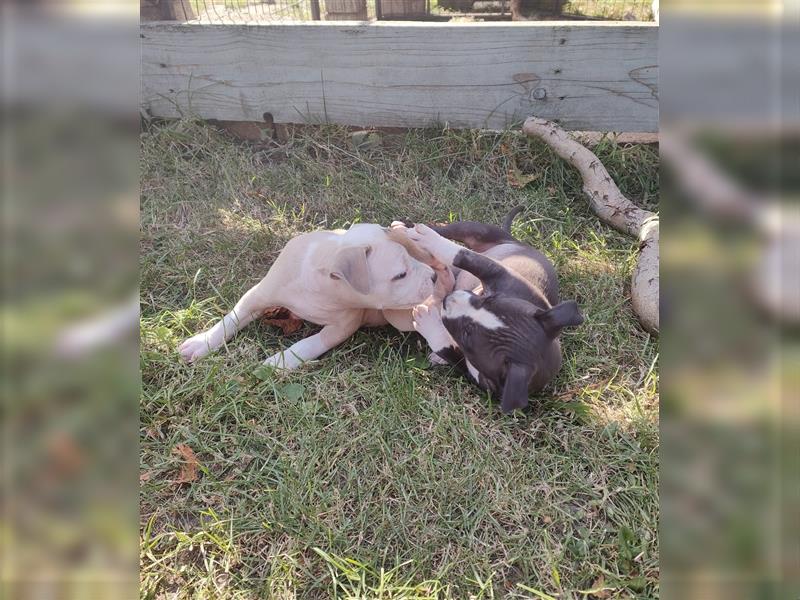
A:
434, 277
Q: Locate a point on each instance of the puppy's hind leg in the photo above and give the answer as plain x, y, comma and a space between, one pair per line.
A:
250, 306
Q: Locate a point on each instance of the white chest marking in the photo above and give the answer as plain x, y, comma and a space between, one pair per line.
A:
458, 306
472, 370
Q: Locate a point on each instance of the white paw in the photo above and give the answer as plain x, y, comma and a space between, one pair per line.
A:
196, 347
426, 319
436, 360
428, 323
441, 248
423, 235
283, 360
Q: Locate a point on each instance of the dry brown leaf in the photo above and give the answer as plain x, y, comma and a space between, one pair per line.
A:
190, 463
64, 455
516, 178
599, 590
283, 318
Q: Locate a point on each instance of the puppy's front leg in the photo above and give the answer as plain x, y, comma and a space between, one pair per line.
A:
315, 345
440, 248
453, 255
249, 306
428, 323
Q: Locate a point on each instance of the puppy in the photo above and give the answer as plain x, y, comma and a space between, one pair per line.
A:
339, 279
501, 323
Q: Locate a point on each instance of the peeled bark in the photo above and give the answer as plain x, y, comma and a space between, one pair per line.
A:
614, 209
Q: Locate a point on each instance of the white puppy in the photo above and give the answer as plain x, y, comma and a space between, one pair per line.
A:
340, 279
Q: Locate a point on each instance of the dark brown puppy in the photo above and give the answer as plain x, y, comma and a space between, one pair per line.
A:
501, 323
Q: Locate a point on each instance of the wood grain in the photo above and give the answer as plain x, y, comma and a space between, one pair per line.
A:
585, 76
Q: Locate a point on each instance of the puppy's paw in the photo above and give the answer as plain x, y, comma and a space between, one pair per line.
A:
283, 360
196, 347
427, 321
436, 360
445, 283
401, 225
426, 318
422, 234
441, 248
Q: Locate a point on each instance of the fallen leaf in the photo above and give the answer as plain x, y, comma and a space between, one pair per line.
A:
283, 318
598, 589
190, 463
64, 455
516, 178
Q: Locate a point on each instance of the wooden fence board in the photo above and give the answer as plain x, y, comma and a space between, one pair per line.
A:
588, 76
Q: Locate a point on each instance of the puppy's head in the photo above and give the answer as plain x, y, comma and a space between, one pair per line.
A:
381, 269
508, 341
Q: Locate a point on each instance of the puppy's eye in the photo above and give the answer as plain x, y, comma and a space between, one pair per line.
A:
399, 277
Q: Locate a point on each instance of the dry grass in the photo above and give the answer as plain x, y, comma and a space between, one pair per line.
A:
369, 474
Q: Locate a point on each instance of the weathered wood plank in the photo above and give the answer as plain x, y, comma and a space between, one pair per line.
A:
588, 76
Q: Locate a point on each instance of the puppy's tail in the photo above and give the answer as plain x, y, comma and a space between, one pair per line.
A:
509, 218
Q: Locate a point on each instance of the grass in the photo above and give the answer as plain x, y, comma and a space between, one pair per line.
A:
369, 474
612, 10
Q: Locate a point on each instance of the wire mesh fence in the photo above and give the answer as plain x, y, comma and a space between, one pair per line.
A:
219, 12
250, 11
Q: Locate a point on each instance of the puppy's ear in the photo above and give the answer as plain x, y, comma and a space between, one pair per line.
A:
350, 265
515, 390
561, 315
